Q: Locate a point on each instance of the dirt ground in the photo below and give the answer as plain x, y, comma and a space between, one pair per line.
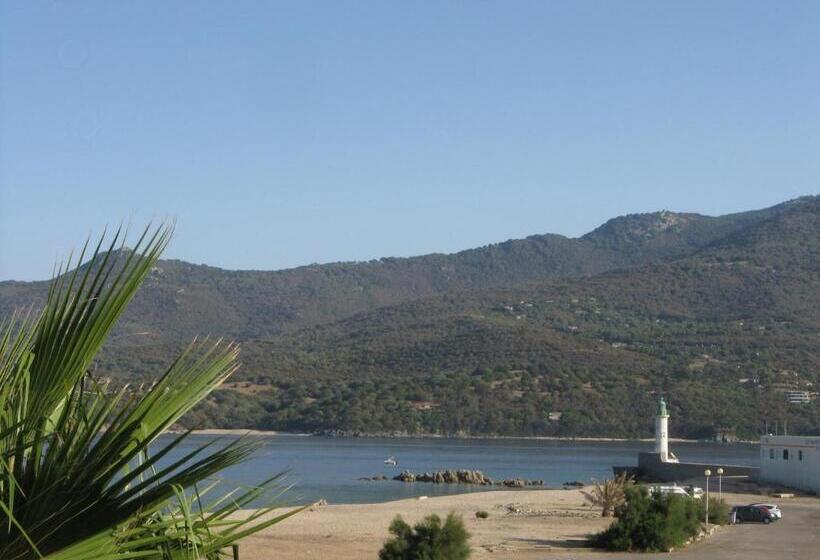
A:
525, 525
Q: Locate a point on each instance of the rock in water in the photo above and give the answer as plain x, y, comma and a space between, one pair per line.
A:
463, 476
405, 476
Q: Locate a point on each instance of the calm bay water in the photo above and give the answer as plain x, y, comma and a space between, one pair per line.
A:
328, 468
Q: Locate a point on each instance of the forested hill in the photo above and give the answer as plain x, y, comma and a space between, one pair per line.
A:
180, 300
723, 332
541, 336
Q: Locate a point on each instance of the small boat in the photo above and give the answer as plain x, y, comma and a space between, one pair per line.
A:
392, 461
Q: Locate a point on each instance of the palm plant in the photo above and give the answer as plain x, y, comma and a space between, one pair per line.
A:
77, 478
610, 494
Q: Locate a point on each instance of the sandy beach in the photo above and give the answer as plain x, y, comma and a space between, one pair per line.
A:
358, 530
522, 524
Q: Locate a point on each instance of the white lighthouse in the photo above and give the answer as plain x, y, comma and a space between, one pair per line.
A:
662, 434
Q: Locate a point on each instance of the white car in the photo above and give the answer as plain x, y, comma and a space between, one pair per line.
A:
674, 489
772, 508
695, 491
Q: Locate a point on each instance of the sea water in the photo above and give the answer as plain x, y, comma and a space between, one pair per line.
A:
330, 468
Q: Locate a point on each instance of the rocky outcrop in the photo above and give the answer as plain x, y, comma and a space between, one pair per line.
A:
449, 476
405, 476
463, 476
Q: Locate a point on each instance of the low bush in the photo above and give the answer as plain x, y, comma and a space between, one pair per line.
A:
718, 511
427, 540
482, 514
652, 522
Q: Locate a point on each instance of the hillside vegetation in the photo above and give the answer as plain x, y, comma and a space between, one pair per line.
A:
541, 336
180, 298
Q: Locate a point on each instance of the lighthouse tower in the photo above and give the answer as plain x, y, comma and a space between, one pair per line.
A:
662, 432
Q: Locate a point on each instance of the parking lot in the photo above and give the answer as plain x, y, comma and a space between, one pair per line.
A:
795, 537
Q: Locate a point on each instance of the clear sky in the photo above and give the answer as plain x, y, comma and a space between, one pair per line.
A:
285, 133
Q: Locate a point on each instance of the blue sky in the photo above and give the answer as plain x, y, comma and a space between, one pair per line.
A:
280, 134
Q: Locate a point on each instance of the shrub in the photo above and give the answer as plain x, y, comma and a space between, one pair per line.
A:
681, 519
482, 514
427, 540
608, 495
651, 523
718, 511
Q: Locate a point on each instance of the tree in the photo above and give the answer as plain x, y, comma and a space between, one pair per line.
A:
78, 480
609, 495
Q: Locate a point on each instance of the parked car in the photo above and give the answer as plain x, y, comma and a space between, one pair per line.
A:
745, 514
695, 491
772, 508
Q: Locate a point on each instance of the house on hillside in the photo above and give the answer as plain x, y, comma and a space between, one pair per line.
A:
798, 397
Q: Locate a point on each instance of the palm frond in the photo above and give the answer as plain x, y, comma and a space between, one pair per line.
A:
78, 479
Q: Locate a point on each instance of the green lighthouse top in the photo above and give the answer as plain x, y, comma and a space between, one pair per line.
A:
662, 408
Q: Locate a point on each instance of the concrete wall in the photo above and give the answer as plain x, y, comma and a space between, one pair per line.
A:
800, 470
651, 467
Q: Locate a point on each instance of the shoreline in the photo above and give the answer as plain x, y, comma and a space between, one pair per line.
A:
592, 439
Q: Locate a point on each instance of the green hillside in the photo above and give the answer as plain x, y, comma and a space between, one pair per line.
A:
722, 333
541, 336
181, 300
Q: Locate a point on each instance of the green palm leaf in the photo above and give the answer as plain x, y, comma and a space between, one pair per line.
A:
77, 477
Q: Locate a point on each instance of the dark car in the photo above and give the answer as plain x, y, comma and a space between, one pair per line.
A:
760, 514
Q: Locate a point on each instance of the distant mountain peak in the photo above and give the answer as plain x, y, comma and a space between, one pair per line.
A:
637, 228
642, 225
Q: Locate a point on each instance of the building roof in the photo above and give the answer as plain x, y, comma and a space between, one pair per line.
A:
789, 441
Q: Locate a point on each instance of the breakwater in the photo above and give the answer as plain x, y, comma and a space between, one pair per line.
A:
650, 467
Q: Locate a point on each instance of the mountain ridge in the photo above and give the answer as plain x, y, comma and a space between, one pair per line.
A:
723, 332
720, 312
307, 295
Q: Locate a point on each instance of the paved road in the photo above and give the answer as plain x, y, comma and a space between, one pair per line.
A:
795, 537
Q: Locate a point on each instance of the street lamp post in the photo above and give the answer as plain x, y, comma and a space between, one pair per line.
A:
720, 483
708, 473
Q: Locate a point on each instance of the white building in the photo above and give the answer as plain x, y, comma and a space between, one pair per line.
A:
798, 397
792, 461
